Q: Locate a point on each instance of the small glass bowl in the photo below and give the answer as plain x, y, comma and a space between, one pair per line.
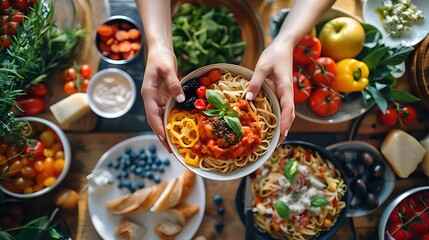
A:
117, 44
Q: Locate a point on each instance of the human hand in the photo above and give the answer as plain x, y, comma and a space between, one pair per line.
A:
275, 67
159, 84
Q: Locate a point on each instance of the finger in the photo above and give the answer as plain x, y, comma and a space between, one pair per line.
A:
256, 82
153, 113
173, 84
285, 92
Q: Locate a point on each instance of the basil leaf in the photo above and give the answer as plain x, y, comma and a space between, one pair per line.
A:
319, 202
402, 96
232, 113
235, 125
291, 169
212, 112
282, 209
216, 100
378, 98
373, 59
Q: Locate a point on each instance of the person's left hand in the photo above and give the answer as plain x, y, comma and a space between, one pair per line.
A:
275, 67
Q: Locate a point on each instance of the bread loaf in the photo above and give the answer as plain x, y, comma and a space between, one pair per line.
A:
167, 230
183, 213
129, 230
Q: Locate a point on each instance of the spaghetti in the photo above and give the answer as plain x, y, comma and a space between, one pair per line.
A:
209, 143
313, 197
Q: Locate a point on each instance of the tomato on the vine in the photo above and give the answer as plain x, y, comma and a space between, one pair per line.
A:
389, 118
301, 87
4, 4
85, 70
407, 114
21, 5
324, 101
17, 17
11, 28
307, 50
323, 71
84, 85
3, 20
399, 232
34, 149
69, 74
4, 41
70, 88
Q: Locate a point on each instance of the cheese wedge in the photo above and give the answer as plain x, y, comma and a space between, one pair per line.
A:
403, 152
425, 162
70, 108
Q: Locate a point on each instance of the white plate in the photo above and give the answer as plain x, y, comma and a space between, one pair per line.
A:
105, 223
418, 32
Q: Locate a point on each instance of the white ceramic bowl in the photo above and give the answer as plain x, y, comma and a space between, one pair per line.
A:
111, 93
388, 176
382, 234
243, 171
418, 33
67, 158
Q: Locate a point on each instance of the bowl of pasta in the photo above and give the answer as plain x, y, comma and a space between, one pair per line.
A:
300, 192
216, 132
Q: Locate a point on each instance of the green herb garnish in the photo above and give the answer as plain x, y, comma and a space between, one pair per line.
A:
319, 202
222, 110
282, 209
291, 169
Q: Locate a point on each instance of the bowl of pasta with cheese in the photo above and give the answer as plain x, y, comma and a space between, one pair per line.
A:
300, 192
216, 132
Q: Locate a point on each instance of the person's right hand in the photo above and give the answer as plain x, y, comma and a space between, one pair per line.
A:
159, 84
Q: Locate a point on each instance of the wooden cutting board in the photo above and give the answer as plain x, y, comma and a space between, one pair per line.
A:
90, 14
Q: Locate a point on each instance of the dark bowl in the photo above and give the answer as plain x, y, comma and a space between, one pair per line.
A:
327, 155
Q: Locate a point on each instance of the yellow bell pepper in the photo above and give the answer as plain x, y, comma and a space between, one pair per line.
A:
352, 76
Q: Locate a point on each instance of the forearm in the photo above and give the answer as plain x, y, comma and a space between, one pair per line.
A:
303, 15
156, 17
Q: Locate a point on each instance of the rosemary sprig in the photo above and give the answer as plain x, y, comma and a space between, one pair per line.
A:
37, 48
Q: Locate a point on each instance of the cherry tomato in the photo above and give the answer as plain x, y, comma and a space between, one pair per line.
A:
28, 172
14, 168
420, 223
105, 31
324, 102
4, 42
69, 74
31, 105
85, 70
34, 149
390, 117
323, 71
205, 81
201, 92
84, 85
300, 221
214, 75
11, 28
407, 114
17, 17
133, 34
3, 147
4, 4
301, 87
200, 104
399, 232
70, 88
38, 89
395, 216
307, 50
3, 20
423, 236
21, 5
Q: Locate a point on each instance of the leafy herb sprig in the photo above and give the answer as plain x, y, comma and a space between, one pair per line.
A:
37, 48
222, 110
384, 63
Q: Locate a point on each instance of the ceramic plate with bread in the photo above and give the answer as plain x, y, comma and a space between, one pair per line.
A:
170, 209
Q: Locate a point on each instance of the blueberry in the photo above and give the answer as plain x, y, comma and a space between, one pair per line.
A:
143, 156
119, 158
127, 162
153, 157
142, 150
140, 185
116, 165
218, 226
158, 161
166, 162
132, 168
147, 167
125, 174
157, 179
121, 185
110, 164
119, 176
142, 163
128, 150
149, 174
149, 161
217, 199
138, 170
220, 211
154, 167
142, 174
160, 169
152, 149
126, 184
125, 157
134, 155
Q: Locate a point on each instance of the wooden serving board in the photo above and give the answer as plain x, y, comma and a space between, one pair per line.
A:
90, 14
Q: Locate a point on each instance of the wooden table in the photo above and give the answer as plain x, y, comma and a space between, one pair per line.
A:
88, 147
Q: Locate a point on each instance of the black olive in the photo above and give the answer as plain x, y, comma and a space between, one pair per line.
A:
351, 170
341, 156
366, 159
361, 170
371, 201
377, 169
359, 188
375, 185
355, 202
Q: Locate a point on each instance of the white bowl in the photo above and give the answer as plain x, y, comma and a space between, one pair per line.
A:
418, 33
67, 159
111, 93
242, 171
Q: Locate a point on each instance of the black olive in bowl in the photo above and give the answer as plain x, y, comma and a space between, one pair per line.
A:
370, 176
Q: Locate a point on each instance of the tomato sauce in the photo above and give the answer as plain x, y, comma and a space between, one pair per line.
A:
217, 140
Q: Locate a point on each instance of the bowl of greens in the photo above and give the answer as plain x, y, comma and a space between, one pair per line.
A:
221, 31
